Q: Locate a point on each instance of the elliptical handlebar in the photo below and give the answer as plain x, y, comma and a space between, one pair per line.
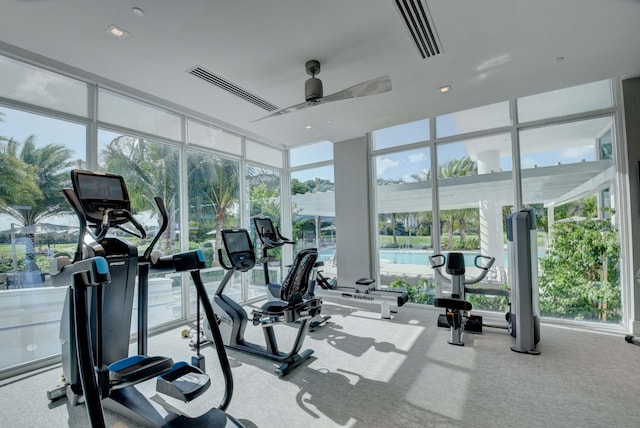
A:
119, 214
73, 200
163, 226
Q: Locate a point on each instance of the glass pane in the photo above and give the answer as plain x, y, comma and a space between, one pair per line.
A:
214, 138
567, 143
312, 153
405, 222
120, 110
214, 198
263, 188
314, 215
400, 135
475, 192
569, 180
475, 119
264, 154
36, 154
24, 82
577, 99
149, 169
476, 156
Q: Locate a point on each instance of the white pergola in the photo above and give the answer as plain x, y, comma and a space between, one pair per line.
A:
550, 186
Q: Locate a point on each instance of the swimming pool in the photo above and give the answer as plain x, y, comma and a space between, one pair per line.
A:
401, 257
414, 257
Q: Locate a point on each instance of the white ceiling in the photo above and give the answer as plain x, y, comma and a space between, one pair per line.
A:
493, 50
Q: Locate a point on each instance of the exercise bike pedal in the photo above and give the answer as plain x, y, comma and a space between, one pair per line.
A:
313, 325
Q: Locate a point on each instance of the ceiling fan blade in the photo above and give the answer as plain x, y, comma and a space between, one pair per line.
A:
290, 109
370, 87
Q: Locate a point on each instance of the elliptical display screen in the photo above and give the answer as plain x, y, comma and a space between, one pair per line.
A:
99, 187
98, 192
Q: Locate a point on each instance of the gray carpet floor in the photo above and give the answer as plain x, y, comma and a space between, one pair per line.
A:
368, 372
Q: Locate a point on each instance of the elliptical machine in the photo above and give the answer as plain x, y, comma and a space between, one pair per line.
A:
232, 319
271, 239
102, 201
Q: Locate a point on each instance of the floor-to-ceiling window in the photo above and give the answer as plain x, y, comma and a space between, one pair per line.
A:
313, 201
50, 124
263, 188
568, 176
38, 148
475, 193
562, 166
402, 163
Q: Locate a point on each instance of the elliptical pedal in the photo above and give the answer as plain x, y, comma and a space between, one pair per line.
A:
183, 382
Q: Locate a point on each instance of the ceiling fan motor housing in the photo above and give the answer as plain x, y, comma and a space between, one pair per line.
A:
313, 89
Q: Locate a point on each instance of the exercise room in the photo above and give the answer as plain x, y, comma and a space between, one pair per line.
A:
363, 213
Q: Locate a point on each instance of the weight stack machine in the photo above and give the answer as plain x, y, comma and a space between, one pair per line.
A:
524, 316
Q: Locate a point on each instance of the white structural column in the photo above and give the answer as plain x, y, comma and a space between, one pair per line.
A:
491, 228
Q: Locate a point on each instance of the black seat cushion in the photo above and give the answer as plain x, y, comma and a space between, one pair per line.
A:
452, 304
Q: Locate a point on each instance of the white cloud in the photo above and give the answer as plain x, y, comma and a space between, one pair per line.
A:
417, 157
383, 164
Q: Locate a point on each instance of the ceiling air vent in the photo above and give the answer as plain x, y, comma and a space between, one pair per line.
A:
221, 83
420, 24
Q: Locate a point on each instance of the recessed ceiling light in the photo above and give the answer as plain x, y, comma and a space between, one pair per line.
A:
137, 11
117, 32
444, 89
308, 127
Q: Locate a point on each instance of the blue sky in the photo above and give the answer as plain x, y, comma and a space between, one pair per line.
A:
401, 165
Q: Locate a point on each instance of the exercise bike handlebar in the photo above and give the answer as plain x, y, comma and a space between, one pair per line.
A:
439, 260
222, 263
281, 240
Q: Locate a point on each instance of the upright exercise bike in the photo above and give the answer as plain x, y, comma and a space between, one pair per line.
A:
101, 201
232, 319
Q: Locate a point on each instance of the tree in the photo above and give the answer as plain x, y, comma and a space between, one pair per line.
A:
34, 177
580, 274
17, 180
457, 168
213, 182
150, 169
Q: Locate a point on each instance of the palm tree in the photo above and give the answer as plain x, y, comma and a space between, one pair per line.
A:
461, 167
458, 168
35, 177
150, 169
17, 180
424, 175
213, 182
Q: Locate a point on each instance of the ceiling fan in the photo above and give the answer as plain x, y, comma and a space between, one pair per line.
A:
314, 95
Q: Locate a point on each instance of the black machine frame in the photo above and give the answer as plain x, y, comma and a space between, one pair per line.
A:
106, 317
